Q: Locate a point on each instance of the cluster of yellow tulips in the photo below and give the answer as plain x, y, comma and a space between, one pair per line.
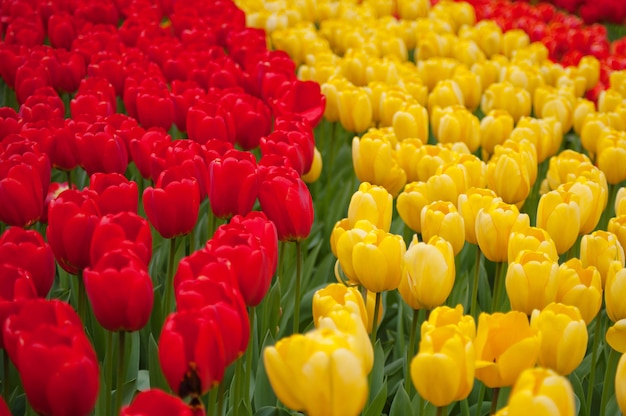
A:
463, 126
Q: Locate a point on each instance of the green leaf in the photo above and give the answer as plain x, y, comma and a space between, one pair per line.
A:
157, 379
132, 355
376, 406
377, 376
143, 380
263, 392
271, 411
401, 404
579, 392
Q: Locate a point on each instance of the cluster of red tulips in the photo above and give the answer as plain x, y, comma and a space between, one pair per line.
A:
179, 104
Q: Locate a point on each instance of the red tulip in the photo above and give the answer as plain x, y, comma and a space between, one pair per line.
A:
253, 262
191, 157
155, 107
11, 58
72, 217
27, 250
4, 409
204, 263
115, 193
148, 152
43, 104
10, 123
254, 118
156, 403
56, 362
110, 66
100, 150
95, 96
206, 120
184, 95
172, 205
286, 200
303, 98
16, 286
233, 184
124, 231
120, 291
61, 30
72, 70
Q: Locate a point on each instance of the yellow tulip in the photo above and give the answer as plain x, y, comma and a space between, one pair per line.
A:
411, 10
565, 167
617, 226
443, 369
614, 299
589, 67
471, 87
563, 337
541, 392
410, 203
339, 229
430, 271
317, 373
391, 101
620, 202
489, 71
411, 121
582, 107
444, 316
531, 238
591, 201
336, 296
469, 204
316, 168
495, 128
374, 161
548, 132
444, 186
372, 203
600, 249
377, 260
435, 69
441, 218
431, 44
513, 40
408, 158
611, 148
508, 176
488, 36
355, 109
531, 281
608, 100
505, 345
476, 170
581, 287
505, 96
558, 213
345, 240
620, 383
446, 92
455, 123
519, 143
430, 157
593, 126
524, 76
557, 104
494, 225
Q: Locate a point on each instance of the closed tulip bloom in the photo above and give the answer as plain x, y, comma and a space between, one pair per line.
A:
548, 135
563, 337
620, 383
558, 213
531, 281
125, 230
470, 82
313, 174
505, 96
286, 200
408, 157
158, 403
431, 157
495, 128
525, 148
115, 193
443, 369
617, 226
446, 316
600, 249
542, 392
493, 228
410, 203
317, 373
508, 176
172, 205
613, 297
582, 108
346, 239
372, 203
611, 149
456, 124
505, 345
581, 287
442, 219
411, 121
374, 161
430, 271
446, 186
531, 238
565, 167
120, 291
592, 198
446, 93
355, 109
469, 204
620, 202
377, 260
337, 296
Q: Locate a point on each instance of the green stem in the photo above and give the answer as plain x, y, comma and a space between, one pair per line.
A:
465, 410
68, 175
249, 354
609, 374
238, 381
108, 372
594, 354
169, 284
410, 351
479, 402
474, 304
281, 262
496, 287
121, 367
494, 400
220, 399
442, 410
375, 318
296, 310
212, 401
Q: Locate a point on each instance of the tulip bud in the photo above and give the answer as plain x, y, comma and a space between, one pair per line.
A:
558, 213
600, 249
355, 109
441, 218
611, 148
411, 121
493, 228
446, 93
469, 204
377, 260
505, 96
531, 238
531, 281
372, 203
563, 337
495, 128
375, 162
443, 316
409, 157
410, 203
456, 124
336, 296
581, 287
508, 176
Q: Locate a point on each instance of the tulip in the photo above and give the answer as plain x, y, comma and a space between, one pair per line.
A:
431, 157
611, 148
558, 213
443, 316
531, 281
581, 287
100, 150
505, 96
617, 226
355, 109
494, 225
318, 373
442, 219
233, 184
408, 157
595, 125
372, 203
600, 249
286, 201
253, 118
172, 205
411, 122
548, 135
541, 391
592, 198
446, 93
429, 271
456, 124
443, 369
508, 176
495, 128
523, 146
125, 230
620, 202
613, 293
563, 337
410, 203
469, 204
620, 381
115, 193
293, 139
447, 186
57, 364
336, 296
582, 108
27, 250
436, 69
469, 82
156, 402
375, 162
518, 347
313, 174
531, 238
